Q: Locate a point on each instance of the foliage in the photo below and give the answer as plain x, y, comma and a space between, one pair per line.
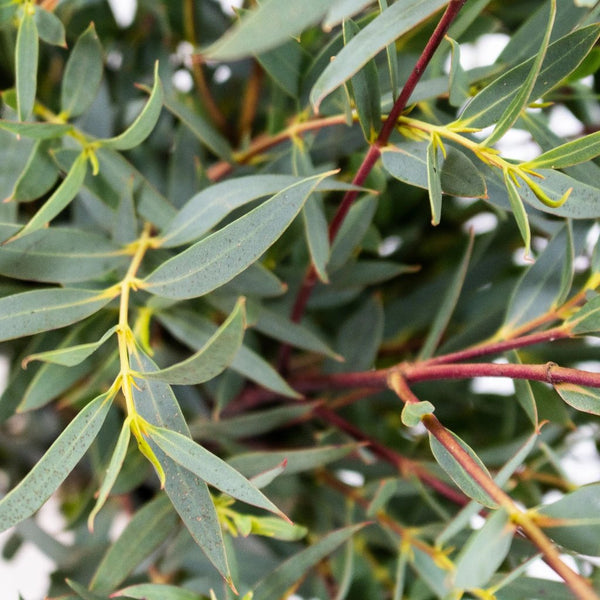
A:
229, 309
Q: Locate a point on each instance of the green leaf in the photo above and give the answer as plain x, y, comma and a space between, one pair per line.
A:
275, 585
392, 60
284, 66
26, 63
581, 398
317, 235
156, 403
484, 552
218, 258
459, 176
587, 319
342, 9
147, 530
83, 73
412, 413
41, 310
521, 98
519, 212
562, 57
576, 519
112, 472
458, 80
210, 468
252, 464
55, 465
213, 358
540, 287
60, 198
144, 123
191, 331
397, 20
275, 528
58, 255
50, 27
82, 592
524, 394
447, 306
266, 27
157, 591
571, 153
457, 472
71, 356
38, 176
363, 88
200, 127
37, 130
434, 182
250, 425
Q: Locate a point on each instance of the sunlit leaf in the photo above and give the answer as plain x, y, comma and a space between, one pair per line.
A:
55, 465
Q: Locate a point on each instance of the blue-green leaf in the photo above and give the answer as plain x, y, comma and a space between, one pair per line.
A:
218, 258
50, 27
54, 466
26, 63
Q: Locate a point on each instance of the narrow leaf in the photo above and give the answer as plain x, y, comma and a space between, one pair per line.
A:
71, 356
61, 197
457, 472
50, 27
434, 182
519, 212
26, 63
157, 591
571, 153
521, 98
144, 123
37, 178
41, 310
36, 130
112, 472
458, 80
446, 309
343, 9
83, 74
149, 527
317, 235
266, 27
587, 319
210, 468
484, 552
397, 20
275, 585
213, 358
218, 258
58, 461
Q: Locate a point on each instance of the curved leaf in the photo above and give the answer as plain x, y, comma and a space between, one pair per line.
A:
52, 469
218, 258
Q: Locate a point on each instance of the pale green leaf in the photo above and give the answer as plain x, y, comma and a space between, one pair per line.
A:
144, 123
581, 398
458, 80
392, 60
524, 394
213, 358
459, 176
413, 412
188, 328
587, 319
218, 258
71, 356
571, 153
317, 235
484, 552
50, 27
156, 403
275, 585
521, 99
343, 9
112, 472
60, 198
55, 465
519, 212
562, 57
266, 27
434, 182
576, 519
36, 130
38, 176
58, 255
157, 591
210, 468
26, 63
83, 73
457, 472
149, 527
397, 20
30, 312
